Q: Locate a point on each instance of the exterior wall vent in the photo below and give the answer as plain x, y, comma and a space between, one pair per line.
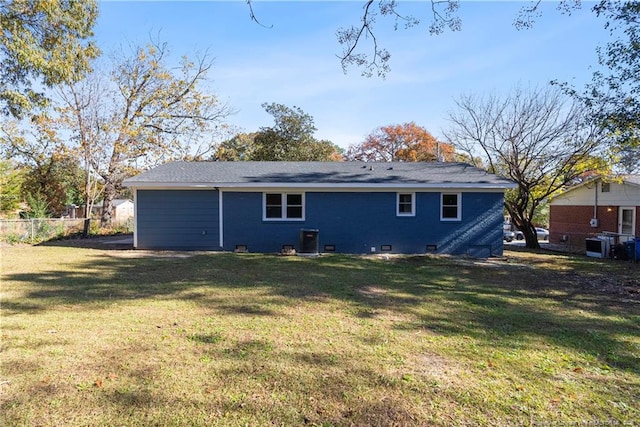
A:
288, 250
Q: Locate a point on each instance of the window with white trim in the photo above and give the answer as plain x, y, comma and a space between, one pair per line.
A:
406, 204
283, 206
451, 207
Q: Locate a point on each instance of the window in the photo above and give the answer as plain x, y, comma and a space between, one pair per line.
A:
606, 187
273, 206
282, 206
451, 209
406, 204
294, 206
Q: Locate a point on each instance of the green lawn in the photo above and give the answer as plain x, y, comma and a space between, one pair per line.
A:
135, 338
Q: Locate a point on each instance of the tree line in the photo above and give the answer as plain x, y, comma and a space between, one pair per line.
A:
75, 126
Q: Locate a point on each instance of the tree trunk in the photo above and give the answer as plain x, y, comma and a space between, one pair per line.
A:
88, 200
111, 183
107, 204
530, 237
523, 223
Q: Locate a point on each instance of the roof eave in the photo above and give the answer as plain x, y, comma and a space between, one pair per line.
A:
259, 185
595, 180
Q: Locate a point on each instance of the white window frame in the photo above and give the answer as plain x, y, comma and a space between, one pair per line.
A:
458, 206
413, 204
283, 196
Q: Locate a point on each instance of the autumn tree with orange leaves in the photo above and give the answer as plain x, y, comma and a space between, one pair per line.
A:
406, 142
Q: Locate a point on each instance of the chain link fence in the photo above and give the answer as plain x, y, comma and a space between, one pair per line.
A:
39, 229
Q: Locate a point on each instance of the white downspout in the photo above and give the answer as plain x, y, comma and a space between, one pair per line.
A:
135, 218
220, 219
595, 202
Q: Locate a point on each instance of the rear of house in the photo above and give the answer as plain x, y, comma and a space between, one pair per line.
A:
345, 207
596, 208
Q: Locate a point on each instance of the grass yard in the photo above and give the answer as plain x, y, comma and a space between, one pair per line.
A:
94, 337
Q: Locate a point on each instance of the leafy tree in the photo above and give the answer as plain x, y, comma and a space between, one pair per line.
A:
406, 142
291, 138
11, 179
614, 92
52, 171
57, 181
37, 206
238, 148
31, 141
146, 114
42, 43
535, 137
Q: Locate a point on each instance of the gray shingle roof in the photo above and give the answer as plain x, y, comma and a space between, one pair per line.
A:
256, 174
633, 179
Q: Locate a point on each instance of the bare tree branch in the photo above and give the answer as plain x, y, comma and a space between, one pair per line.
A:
254, 18
535, 137
375, 59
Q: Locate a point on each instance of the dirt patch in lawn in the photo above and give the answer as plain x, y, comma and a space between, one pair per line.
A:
112, 242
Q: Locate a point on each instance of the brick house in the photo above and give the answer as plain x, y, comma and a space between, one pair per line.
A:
595, 207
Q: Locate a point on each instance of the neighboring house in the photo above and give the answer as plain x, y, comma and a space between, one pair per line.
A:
596, 207
346, 207
122, 210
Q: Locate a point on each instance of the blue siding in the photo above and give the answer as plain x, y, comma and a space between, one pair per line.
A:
177, 219
356, 222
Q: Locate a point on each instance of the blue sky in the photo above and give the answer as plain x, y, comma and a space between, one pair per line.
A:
293, 61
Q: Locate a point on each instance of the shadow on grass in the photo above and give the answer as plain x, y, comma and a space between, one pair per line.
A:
494, 303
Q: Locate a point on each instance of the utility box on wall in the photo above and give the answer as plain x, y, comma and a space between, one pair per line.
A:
594, 222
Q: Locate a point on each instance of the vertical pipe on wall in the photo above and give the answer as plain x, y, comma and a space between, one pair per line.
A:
135, 217
220, 219
595, 201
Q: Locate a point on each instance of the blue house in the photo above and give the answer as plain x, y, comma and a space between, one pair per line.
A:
343, 207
